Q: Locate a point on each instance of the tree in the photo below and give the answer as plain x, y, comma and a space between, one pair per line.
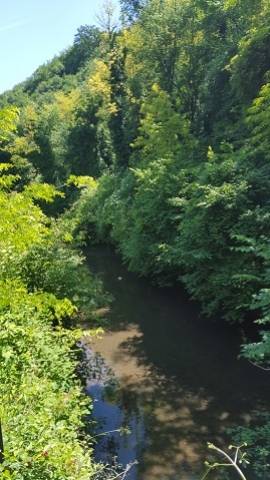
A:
163, 133
42, 79
8, 116
86, 42
107, 21
131, 9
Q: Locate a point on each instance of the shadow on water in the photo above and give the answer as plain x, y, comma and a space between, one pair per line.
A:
180, 383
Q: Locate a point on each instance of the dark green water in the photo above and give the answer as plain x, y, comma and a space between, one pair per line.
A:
180, 383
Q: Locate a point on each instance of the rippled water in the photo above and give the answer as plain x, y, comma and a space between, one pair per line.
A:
180, 383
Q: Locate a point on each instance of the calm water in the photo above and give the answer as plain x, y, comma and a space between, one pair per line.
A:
180, 383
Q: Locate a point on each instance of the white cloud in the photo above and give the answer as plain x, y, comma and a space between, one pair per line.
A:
9, 26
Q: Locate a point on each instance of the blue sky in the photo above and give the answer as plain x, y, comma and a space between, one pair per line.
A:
33, 31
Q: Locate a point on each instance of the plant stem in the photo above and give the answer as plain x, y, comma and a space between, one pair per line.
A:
231, 461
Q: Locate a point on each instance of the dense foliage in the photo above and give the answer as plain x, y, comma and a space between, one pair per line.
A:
43, 288
170, 115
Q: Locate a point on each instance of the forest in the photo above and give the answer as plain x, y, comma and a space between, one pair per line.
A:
150, 133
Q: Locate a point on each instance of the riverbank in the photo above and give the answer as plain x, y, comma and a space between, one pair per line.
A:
42, 405
43, 288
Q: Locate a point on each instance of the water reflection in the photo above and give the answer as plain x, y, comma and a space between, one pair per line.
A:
115, 416
181, 384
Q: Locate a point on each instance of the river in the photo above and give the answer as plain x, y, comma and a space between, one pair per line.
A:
180, 384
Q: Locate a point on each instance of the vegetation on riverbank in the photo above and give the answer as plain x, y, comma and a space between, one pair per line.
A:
43, 288
170, 115
161, 114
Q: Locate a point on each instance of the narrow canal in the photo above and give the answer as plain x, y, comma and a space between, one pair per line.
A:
180, 383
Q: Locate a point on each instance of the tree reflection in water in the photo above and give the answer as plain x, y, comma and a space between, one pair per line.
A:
180, 383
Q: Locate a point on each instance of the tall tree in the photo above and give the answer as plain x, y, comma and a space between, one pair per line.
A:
85, 45
131, 9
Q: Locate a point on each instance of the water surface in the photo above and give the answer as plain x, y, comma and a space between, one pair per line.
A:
180, 382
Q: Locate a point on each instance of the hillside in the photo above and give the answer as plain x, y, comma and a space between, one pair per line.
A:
170, 116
